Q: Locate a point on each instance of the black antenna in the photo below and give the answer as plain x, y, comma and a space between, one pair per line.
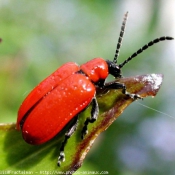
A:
163, 38
120, 38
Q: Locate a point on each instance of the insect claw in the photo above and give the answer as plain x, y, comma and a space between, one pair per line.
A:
61, 158
134, 96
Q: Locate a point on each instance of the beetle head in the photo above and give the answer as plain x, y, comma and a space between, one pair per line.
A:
114, 69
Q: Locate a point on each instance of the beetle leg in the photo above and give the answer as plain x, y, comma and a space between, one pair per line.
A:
116, 85
93, 118
68, 134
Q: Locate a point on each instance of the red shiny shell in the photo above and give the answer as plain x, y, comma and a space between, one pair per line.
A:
57, 108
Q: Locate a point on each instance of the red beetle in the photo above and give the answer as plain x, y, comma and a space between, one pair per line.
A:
65, 93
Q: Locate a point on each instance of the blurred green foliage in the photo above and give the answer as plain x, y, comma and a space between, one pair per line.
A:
39, 36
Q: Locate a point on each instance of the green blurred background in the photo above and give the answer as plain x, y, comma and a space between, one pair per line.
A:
39, 36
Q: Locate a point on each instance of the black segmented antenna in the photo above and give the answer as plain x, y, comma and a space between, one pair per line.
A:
163, 38
120, 38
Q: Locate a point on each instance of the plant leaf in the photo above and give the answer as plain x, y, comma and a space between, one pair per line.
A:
18, 155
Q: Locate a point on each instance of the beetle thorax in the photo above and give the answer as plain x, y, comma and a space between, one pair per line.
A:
96, 69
